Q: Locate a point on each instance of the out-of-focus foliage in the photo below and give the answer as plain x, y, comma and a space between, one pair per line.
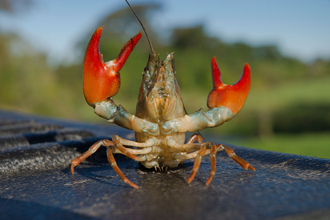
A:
310, 144
14, 6
287, 95
28, 84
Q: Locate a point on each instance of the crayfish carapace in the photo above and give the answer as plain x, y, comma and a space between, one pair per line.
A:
160, 121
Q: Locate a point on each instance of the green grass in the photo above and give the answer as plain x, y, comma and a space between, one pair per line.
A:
309, 91
270, 99
308, 144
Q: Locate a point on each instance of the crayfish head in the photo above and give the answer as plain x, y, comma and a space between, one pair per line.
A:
159, 90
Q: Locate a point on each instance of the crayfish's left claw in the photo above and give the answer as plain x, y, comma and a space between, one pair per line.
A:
101, 80
232, 97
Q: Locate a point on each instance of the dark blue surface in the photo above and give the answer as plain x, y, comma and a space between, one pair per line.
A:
283, 186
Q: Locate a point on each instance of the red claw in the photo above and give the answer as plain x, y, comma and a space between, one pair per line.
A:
232, 97
102, 80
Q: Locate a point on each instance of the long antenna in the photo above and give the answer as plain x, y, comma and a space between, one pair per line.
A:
151, 48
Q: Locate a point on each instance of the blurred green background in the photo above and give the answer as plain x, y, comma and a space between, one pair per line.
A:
287, 110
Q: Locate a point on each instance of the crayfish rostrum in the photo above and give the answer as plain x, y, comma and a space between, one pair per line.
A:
160, 121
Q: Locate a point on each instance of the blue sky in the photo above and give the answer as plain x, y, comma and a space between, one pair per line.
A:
300, 28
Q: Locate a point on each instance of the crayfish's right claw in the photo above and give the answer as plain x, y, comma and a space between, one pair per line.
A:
102, 80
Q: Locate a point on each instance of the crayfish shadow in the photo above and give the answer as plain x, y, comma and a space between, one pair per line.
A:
182, 167
101, 171
157, 180
123, 162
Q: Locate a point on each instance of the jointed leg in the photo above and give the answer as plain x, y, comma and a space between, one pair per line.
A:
199, 156
114, 165
195, 137
131, 152
237, 159
111, 159
148, 143
197, 163
95, 147
116, 142
213, 163
189, 146
86, 154
191, 155
116, 146
195, 154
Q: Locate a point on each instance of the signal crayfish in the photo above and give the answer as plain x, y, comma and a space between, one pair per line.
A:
160, 121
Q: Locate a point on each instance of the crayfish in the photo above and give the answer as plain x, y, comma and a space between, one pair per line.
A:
160, 121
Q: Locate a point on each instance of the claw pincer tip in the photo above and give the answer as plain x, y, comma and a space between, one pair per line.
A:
230, 96
102, 80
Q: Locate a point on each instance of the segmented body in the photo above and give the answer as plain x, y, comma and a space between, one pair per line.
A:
160, 101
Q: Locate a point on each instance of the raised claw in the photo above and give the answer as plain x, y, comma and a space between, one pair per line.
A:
230, 96
102, 80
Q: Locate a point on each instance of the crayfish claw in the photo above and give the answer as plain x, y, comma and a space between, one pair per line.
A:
102, 80
230, 96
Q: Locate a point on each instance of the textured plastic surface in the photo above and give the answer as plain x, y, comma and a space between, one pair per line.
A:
35, 181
